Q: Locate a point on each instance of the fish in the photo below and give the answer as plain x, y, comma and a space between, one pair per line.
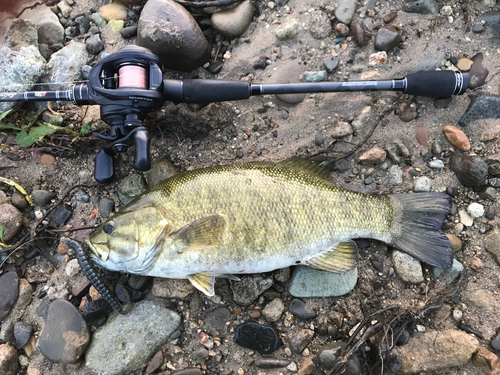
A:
256, 217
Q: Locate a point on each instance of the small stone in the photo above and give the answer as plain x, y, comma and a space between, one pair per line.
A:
273, 310
319, 24
9, 290
489, 193
65, 335
408, 268
288, 29
18, 200
319, 139
476, 263
129, 32
130, 187
389, 17
11, 220
47, 159
217, 321
298, 339
315, 76
61, 214
456, 244
94, 44
93, 310
464, 64
42, 197
378, 58
330, 64
8, 360
490, 134
233, 22
480, 107
172, 288
470, 170
436, 164
409, 113
492, 243
448, 275
420, 6
457, 315
359, 33
395, 175
306, 367
308, 282
422, 135
446, 11
155, 363
495, 343
22, 333
475, 210
246, 333
422, 184
442, 103
43, 309
465, 219
297, 308
98, 20
327, 355
342, 29
345, 10
113, 11
72, 268
249, 288
484, 358
374, 155
387, 38
161, 169
269, 363
106, 207
83, 24
342, 129
116, 25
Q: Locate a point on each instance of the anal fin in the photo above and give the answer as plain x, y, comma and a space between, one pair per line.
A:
340, 258
204, 281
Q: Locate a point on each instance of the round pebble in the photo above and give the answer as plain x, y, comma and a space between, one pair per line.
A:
475, 210
297, 308
245, 335
273, 310
422, 184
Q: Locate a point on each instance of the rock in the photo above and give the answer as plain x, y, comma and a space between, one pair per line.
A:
312, 76
189, 371
422, 135
93, 310
327, 355
345, 11
407, 267
456, 137
492, 20
359, 33
475, 210
65, 8
378, 58
269, 363
448, 275
42, 197
488, 193
170, 32
341, 129
233, 22
268, 341
289, 72
83, 25
217, 320
478, 29
470, 170
387, 38
465, 219
21, 33
395, 175
94, 44
342, 29
495, 343
65, 66
250, 288
434, 350
298, 339
330, 64
47, 159
292, 367
374, 155
161, 169
481, 107
5, 162
464, 64
492, 243
106, 207
436, 164
319, 24
490, 134
126, 342
42, 309
297, 308
61, 214
113, 11
484, 358
172, 288
50, 30
442, 103
476, 263
139, 282
9, 290
130, 187
19, 70
282, 275
11, 220
361, 119
72, 268
389, 17
456, 244
65, 335
273, 310
116, 26
155, 363
129, 32
421, 6
8, 360
288, 29
308, 282
98, 20
477, 73
306, 367
422, 183
22, 333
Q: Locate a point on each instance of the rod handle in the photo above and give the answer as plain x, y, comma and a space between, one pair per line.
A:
213, 90
436, 84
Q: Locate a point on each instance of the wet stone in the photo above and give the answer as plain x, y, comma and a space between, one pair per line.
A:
61, 214
308, 282
65, 335
218, 319
106, 207
22, 333
257, 337
297, 308
43, 309
250, 288
130, 187
9, 290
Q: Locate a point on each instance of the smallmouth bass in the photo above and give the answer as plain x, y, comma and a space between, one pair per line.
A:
262, 216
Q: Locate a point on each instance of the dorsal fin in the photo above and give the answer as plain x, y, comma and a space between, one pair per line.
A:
317, 166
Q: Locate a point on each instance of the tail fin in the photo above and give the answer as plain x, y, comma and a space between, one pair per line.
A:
416, 228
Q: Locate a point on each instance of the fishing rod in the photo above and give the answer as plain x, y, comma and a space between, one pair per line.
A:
129, 84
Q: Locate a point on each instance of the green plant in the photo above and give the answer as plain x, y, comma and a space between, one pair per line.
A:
2, 243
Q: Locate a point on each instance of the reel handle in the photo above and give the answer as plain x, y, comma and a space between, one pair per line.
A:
104, 170
142, 150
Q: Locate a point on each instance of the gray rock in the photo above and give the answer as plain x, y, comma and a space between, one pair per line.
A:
308, 282
492, 243
126, 342
65, 66
298, 339
9, 290
19, 70
11, 219
298, 309
273, 310
106, 206
489, 193
65, 8
432, 63
495, 343
492, 20
436, 164
481, 107
50, 30
422, 183
161, 169
289, 72
448, 275
233, 22
327, 355
345, 11
22, 333
359, 33
130, 187
330, 64
387, 38
320, 25
288, 29
250, 288
94, 44
217, 321
478, 29
5, 162
8, 360
86, 71
470, 170
42, 197
83, 24
18, 200
129, 32
408, 268
318, 76
98, 20
172, 288
478, 72
282, 275
21, 33
169, 31
395, 175
65, 335
421, 6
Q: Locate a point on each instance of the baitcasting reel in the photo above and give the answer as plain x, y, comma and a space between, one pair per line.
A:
129, 84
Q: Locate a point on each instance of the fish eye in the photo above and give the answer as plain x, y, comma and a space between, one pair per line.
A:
109, 227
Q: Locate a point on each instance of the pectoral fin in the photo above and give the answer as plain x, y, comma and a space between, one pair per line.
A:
203, 281
340, 258
201, 233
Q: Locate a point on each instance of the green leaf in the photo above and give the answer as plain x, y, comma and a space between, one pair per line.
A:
2, 230
86, 128
8, 125
5, 114
35, 134
55, 119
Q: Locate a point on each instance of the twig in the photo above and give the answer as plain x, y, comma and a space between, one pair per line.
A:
70, 229
205, 4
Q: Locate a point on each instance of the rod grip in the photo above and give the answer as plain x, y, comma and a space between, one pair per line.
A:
212, 90
436, 84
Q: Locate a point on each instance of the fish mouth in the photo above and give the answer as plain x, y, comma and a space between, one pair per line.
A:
96, 252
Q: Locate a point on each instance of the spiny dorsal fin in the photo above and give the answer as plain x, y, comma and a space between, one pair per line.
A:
340, 258
201, 233
315, 166
203, 281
